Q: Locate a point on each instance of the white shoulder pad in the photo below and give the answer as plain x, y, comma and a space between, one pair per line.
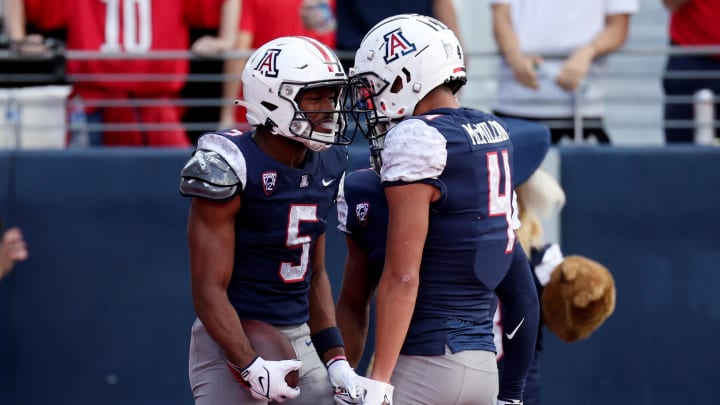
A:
413, 151
229, 151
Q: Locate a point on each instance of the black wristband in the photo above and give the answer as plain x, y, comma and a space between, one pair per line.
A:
327, 339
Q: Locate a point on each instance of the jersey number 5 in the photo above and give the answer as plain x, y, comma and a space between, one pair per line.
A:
136, 26
289, 272
500, 202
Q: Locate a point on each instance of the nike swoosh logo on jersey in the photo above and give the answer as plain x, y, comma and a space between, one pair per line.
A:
512, 334
326, 183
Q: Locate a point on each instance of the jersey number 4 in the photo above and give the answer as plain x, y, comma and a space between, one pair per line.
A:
295, 272
136, 26
500, 203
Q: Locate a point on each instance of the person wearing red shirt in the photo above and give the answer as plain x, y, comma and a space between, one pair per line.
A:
131, 27
692, 23
255, 31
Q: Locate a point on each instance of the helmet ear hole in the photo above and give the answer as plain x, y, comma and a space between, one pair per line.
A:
397, 85
269, 106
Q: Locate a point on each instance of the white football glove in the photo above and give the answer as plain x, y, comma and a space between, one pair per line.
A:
375, 392
343, 380
266, 379
509, 402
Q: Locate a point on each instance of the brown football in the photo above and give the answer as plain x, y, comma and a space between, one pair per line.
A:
270, 344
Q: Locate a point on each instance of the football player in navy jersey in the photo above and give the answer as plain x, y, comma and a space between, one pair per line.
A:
362, 217
446, 176
256, 232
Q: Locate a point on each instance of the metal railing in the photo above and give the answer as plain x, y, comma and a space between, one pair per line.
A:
481, 74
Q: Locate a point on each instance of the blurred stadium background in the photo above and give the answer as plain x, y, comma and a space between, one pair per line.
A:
101, 312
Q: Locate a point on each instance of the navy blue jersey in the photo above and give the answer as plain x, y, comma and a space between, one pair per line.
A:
283, 212
467, 155
363, 216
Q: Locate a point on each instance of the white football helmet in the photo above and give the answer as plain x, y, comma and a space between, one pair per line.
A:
274, 79
402, 58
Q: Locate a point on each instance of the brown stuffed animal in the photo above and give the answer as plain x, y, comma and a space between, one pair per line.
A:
578, 298
578, 293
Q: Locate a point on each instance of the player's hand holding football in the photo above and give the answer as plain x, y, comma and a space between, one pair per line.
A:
266, 378
375, 392
344, 381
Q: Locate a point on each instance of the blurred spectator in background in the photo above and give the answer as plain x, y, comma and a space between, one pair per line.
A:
132, 27
200, 119
12, 250
692, 23
356, 17
574, 36
255, 31
30, 70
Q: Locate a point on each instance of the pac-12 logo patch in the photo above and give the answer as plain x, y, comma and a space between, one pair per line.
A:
397, 45
268, 64
269, 180
361, 212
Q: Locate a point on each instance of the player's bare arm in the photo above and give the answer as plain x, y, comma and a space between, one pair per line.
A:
325, 334
211, 236
409, 208
608, 40
322, 306
353, 307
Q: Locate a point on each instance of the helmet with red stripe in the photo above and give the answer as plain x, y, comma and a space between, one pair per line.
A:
402, 58
274, 80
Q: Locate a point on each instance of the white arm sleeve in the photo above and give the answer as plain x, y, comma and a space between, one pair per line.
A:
413, 151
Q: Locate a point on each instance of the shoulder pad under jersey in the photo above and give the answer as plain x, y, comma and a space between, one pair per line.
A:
207, 174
